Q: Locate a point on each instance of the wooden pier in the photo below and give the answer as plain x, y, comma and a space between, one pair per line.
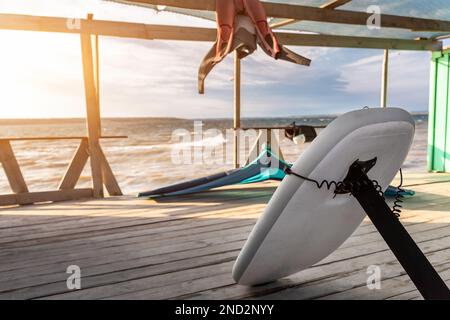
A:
185, 247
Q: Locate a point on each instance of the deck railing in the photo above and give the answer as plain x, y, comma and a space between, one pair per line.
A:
66, 190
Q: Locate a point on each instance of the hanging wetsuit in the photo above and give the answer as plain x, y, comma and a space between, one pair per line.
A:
241, 24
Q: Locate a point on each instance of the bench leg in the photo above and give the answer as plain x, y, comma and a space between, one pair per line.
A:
108, 177
12, 168
76, 167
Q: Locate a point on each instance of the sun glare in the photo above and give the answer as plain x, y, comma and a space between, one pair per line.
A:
38, 72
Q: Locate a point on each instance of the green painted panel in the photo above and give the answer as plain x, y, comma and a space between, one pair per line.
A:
447, 129
439, 118
431, 113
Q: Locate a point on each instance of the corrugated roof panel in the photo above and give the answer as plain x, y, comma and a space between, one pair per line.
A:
430, 9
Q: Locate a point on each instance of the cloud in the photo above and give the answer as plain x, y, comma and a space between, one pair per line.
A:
408, 78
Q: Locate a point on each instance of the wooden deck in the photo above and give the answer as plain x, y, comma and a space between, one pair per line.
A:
185, 248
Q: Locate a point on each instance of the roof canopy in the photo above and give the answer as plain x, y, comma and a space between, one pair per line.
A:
331, 24
401, 19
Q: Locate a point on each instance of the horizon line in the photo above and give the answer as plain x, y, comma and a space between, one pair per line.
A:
193, 118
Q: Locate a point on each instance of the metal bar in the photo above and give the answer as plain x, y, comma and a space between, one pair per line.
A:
237, 107
384, 79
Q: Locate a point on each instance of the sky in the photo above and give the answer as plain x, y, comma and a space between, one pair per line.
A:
41, 74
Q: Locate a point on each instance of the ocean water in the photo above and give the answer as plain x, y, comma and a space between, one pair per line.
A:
150, 157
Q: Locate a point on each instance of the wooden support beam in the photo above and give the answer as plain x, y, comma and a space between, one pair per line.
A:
442, 38
46, 196
334, 4
298, 12
329, 5
12, 168
93, 114
108, 177
384, 79
76, 166
106, 28
161, 32
311, 40
237, 107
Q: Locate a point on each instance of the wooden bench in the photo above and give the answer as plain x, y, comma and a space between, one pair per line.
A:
66, 190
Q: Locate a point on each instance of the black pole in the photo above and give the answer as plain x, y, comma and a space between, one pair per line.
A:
419, 269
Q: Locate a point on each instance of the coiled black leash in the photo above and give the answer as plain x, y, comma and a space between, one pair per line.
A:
347, 186
397, 209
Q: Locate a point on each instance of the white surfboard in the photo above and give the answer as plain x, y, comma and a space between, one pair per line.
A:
302, 225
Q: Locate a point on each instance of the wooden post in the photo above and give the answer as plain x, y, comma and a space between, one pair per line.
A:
93, 113
97, 70
384, 79
237, 107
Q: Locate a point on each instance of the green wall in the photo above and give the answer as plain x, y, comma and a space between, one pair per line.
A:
439, 117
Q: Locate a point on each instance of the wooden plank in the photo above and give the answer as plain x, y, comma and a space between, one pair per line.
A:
137, 205
176, 287
98, 268
153, 32
140, 246
12, 168
307, 13
119, 225
212, 280
76, 167
193, 258
294, 39
106, 28
300, 285
32, 216
333, 4
93, 115
148, 248
55, 138
353, 285
393, 283
216, 210
45, 196
175, 246
193, 268
185, 228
